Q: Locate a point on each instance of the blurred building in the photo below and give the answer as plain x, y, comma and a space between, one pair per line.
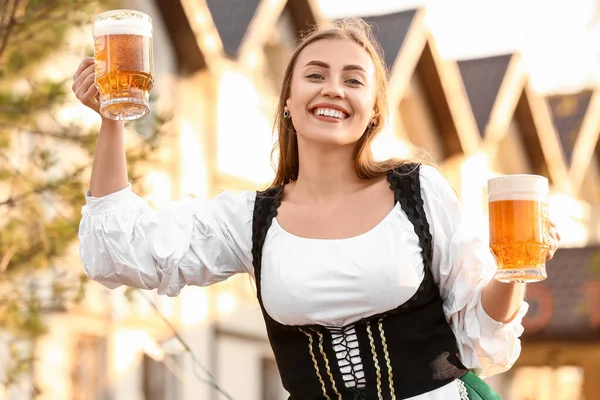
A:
524, 132
218, 66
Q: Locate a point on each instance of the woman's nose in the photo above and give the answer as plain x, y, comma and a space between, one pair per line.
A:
332, 89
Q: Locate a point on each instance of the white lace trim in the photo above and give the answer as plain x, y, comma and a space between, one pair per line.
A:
462, 390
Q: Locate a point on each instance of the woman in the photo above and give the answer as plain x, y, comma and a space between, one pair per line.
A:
367, 292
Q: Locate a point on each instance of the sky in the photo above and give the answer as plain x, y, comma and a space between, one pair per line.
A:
559, 43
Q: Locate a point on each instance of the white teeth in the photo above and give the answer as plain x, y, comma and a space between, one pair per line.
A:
329, 112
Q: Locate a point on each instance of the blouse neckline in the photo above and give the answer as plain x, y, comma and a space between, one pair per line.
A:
350, 238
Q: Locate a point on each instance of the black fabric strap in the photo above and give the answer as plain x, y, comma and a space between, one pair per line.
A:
265, 209
405, 182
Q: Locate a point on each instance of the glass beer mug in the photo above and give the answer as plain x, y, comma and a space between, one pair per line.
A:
519, 227
124, 63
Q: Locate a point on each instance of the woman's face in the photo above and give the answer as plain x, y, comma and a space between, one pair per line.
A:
332, 94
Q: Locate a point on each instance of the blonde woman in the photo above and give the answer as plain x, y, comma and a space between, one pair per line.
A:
371, 282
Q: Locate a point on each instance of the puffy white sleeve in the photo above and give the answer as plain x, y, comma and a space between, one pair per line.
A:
462, 265
123, 241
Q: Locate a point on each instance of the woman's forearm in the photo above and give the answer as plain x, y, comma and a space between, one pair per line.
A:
502, 301
109, 169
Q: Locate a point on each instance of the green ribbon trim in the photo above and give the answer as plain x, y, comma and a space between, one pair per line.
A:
477, 389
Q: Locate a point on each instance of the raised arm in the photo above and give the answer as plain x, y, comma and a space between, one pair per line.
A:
125, 242
109, 169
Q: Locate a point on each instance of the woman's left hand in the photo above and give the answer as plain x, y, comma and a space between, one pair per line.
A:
553, 239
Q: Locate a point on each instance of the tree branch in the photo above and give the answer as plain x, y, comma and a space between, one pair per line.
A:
46, 133
47, 23
17, 172
10, 25
51, 185
6, 258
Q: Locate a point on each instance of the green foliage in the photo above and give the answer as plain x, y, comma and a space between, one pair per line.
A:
44, 169
34, 29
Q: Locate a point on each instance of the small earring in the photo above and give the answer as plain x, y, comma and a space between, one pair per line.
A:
286, 113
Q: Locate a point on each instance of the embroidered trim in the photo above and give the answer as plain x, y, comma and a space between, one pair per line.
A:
327, 365
387, 359
314, 359
462, 390
376, 362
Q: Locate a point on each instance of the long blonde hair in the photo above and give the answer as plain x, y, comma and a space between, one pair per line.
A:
367, 167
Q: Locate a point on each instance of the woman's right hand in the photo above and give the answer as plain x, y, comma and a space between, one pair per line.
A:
83, 84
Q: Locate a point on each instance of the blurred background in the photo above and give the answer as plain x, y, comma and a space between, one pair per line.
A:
485, 87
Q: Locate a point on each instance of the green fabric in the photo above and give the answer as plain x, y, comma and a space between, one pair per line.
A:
477, 389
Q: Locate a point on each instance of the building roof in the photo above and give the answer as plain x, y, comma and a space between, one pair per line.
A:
232, 18
305, 14
568, 112
411, 54
390, 30
566, 306
230, 22
482, 79
499, 89
188, 54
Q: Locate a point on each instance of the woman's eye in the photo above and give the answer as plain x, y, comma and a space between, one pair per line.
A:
314, 76
354, 81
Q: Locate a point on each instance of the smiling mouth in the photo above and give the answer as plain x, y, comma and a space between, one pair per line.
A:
330, 113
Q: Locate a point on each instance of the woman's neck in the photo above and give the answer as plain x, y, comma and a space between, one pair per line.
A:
327, 173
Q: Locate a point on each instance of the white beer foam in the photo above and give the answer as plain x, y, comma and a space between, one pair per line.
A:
129, 26
533, 196
518, 187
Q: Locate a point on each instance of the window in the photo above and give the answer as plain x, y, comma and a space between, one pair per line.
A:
271, 381
162, 379
89, 373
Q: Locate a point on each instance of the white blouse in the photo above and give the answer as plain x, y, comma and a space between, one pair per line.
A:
307, 281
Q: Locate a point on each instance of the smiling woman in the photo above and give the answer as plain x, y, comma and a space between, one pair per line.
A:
341, 70
369, 276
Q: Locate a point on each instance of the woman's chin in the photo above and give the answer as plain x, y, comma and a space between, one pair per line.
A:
329, 139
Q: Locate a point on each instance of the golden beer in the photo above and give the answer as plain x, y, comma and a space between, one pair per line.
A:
124, 63
518, 213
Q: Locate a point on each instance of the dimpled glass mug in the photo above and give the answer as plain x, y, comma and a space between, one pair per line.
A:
124, 63
519, 226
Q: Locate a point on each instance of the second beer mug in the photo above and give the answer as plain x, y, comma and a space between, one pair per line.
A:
519, 227
124, 63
